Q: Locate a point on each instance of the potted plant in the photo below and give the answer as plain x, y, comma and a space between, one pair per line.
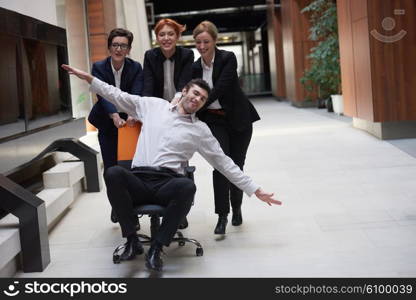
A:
324, 74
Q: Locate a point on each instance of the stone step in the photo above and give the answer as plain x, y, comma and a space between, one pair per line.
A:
56, 201
63, 175
9, 245
63, 183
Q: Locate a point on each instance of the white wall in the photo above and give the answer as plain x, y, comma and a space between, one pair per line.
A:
44, 10
131, 14
77, 41
237, 49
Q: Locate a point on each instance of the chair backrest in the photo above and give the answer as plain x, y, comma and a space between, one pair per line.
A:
127, 143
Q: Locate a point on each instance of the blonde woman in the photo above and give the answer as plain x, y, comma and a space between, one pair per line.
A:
228, 113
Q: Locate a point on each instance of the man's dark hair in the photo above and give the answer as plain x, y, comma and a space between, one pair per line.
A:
199, 82
119, 32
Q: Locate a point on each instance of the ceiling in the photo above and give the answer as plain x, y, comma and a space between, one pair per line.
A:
227, 15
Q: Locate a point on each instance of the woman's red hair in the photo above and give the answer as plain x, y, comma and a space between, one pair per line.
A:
172, 23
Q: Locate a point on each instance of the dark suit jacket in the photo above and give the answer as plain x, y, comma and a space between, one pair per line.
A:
131, 82
240, 113
153, 70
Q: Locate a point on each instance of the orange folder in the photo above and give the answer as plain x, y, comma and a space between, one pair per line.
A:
127, 141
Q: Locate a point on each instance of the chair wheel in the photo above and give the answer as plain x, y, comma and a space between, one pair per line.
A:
181, 243
199, 251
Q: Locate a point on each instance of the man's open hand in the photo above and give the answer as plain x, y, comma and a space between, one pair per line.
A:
80, 74
266, 197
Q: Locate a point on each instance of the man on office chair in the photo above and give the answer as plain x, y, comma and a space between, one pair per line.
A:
170, 135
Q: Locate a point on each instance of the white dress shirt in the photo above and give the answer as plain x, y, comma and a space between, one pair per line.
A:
170, 139
207, 76
168, 84
117, 74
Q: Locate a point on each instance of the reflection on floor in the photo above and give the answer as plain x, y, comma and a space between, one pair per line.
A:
19, 126
349, 210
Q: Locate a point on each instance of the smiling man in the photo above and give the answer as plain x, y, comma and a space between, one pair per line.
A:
169, 137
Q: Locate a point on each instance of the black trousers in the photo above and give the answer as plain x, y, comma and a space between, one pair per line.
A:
127, 189
235, 145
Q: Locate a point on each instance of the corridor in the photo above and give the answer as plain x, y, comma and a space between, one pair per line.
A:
348, 210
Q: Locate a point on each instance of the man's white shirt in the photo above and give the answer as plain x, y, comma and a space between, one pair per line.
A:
170, 139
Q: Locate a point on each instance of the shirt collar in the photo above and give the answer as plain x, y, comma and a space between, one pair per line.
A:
204, 66
114, 70
172, 58
175, 108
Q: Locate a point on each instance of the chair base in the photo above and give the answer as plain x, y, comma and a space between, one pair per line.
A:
147, 240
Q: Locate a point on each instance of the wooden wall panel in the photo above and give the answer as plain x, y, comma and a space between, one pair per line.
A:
380, 84
296, 47
35, 52
280, 63
288, 48
362, 67
358, 9
9, 104
52, 71
346, 50
393, 63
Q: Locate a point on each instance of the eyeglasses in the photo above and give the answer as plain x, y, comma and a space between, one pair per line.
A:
122, 46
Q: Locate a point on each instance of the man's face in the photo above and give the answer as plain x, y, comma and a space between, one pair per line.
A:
119, 48
193, 99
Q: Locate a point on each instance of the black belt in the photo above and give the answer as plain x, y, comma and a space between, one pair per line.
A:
219, 112
154, 170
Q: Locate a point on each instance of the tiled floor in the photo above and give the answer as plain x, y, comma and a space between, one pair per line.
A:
349, 210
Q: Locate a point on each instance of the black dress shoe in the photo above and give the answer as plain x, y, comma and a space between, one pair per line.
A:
221, 225
237, 219
153, 260
183, 224
132, 248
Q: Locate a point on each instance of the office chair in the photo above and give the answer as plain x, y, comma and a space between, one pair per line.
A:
127, 140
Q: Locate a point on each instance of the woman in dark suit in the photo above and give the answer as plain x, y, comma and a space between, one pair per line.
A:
167, 68
228, 113
125, 73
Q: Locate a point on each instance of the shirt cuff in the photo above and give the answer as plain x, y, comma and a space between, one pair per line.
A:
251, 189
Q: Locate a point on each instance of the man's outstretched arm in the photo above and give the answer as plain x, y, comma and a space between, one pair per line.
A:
80, 74
123, 101
210, 149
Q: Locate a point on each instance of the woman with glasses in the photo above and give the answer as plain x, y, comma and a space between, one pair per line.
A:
228, 113
167, 68
124, 73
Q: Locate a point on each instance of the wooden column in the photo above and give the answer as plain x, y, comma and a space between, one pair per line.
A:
296, 47
378, 63
275, 47
101, 20
97, 36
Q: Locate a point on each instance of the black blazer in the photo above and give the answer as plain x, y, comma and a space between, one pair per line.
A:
153, 70
131, 82
240, 113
